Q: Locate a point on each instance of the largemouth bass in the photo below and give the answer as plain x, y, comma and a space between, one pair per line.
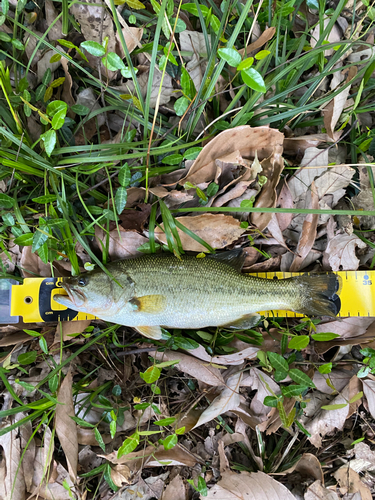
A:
163, 291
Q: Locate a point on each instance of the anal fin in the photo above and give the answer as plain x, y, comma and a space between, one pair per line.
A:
151, 332
244, 322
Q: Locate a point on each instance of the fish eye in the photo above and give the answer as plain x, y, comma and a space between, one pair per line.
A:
82, 281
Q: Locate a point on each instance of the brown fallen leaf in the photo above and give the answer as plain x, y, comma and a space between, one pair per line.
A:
298, 145
335, 35
228, 399
317, 491
303, 178
122, 244
259, 42
175, 490
12, 480
369, 392
245, 139
66, 428
87, 437
272, 168
248, 486
307, 466
265, 386
323, 422
272, 264
341, 254
145, 489
333, 110
120, 474
135, 219
308, 233
337, 378
284, 200
65, 329
350, 482
53, 490
192, 366
346, 327
55, 31
225, 359
132, 37
217, 230
32, 266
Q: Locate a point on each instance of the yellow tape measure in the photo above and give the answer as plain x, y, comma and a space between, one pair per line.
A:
33, 300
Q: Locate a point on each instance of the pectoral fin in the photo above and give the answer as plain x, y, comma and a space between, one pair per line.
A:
151, 332
152, 304
244, 323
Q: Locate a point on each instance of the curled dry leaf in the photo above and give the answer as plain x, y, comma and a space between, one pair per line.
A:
272, 168
176, 489
225, 359
217, 230
341, 254
132, 37
32, 266
318, 492
202, 371
122, 244
369, 392
298, 145
325, 421
248, 486
66, 428
308, 466
347, 328
245, 139
261, 382
332, 113
120, 474
228, 399
285, 200
259, 42
303, 178
350, 482
308, 233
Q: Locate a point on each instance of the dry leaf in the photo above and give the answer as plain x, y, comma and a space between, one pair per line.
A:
369, 392
12, 484
332, 113
122, 244
259, 42
194, 42
335, 35
176, 489
246, 140
334, 182
32, 266
225, 359
346, 327
144, 489
272, 168
337, 378
69, 328
350, 482
217, 230
307, 466
340, 252
248, 486
298, 145
303, 178
120, 474
162, 96
259, 381
66, 428
284, 200
318, 492
228, 399
53, 490
192, 366
326, 421
44, 63
55, 31
132, 37
308, 233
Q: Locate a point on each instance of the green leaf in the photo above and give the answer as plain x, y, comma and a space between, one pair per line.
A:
165, 364
82, 423
301, 378
324, 336
192, 153
278, 362
99, 439
27, 358
47, 77
43, 345
356, 397
270, 401
25, 385
262, 54
291, 391
112, 428
39, 239
120, 199
53, 383
165, 421
280, 375
33, 333
25, 240
155, 389
334, 407
253, 79
17, 44
113, 62
124, 175
185, 343
128, 445
192, 8
174, 159
170, 442
4, 37
299, 342
59, 119
45, 199
93, 48
301, 428
151, 375
181, 105
80, 109
231, 56
327, 368
142, 406
6, 201
245, 64
49, 138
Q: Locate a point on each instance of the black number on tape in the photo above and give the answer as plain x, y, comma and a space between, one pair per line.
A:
45, 303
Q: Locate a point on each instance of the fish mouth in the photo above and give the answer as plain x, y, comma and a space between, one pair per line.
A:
75, 297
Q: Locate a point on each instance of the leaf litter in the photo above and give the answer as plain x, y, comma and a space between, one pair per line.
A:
220, 413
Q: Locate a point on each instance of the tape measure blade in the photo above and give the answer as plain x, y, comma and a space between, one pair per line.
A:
5, 301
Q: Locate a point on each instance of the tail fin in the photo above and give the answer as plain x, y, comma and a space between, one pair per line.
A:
321, 294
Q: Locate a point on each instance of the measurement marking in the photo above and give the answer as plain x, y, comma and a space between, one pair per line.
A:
349, 314
356, 275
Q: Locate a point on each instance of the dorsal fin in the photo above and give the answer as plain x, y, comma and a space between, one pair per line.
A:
233, 258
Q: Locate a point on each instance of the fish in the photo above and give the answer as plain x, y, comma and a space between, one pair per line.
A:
157, 291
